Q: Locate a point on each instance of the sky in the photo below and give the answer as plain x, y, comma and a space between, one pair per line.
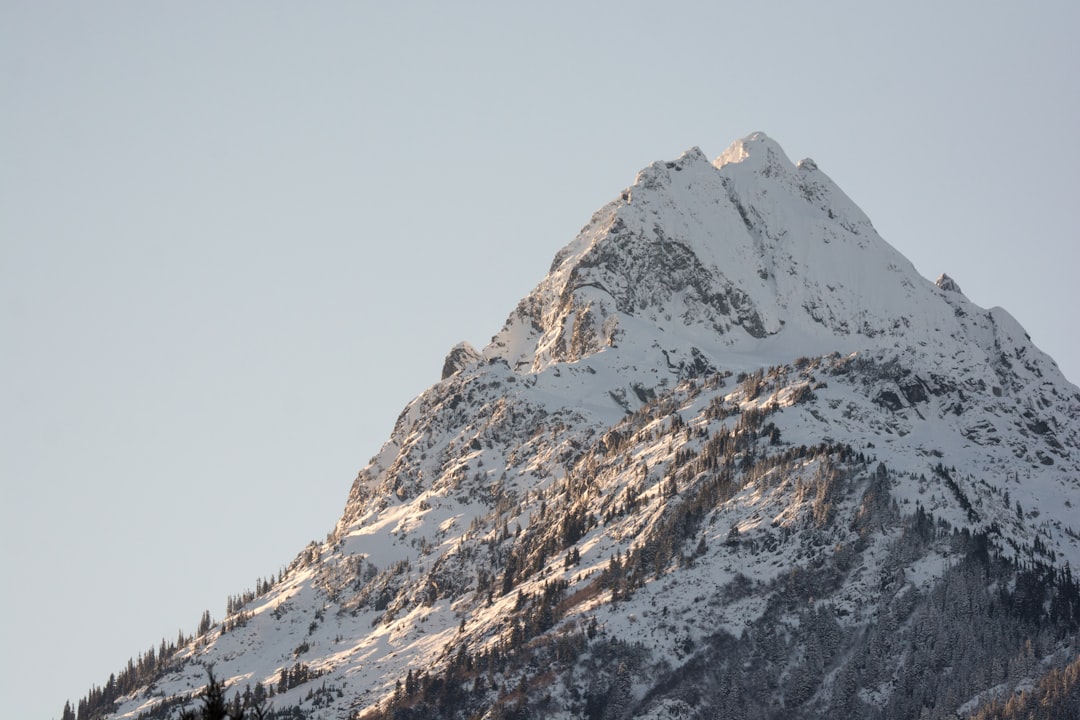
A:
237, 238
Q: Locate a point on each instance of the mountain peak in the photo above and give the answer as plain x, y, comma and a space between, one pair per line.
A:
726, 255
757, 147
732, 428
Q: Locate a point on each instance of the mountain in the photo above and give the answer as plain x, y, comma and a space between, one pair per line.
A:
733, 457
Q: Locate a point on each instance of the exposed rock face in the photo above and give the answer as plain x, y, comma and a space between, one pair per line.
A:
460, 357
947, 283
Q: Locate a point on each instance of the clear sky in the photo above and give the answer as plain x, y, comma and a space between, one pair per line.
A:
236, 238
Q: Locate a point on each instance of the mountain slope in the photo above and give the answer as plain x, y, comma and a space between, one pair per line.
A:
733, 453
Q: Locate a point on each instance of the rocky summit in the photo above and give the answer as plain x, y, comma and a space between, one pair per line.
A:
734, 457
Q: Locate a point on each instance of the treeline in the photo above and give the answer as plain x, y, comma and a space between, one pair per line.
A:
989, 621
473, 683
1056, 696
149, 667
140, 671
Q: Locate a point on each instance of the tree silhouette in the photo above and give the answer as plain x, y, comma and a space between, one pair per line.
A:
215, 707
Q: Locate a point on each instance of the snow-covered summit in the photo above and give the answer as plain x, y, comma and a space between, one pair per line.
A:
757, 148
748, 255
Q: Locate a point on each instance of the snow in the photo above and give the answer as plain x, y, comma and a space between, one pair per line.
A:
744, 264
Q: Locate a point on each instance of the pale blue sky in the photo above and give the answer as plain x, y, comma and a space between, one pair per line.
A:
236, 238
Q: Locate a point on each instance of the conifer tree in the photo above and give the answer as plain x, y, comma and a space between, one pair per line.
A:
215, 707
